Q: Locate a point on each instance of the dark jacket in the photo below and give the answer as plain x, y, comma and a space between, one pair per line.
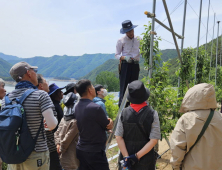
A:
137, 128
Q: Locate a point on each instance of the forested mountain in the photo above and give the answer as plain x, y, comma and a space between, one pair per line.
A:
67, 66
88, 65
8, 57
72, 66
4, 68
112, 65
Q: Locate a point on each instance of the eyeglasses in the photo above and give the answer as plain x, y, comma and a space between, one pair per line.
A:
35, 70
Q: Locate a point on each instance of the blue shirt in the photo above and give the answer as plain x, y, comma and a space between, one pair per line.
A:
91, 122
101, 102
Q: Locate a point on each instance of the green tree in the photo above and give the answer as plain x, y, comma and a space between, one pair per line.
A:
108, 79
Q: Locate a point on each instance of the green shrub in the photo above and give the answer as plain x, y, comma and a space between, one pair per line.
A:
111, 106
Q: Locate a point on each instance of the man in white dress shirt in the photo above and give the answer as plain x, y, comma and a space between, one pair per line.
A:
127, 51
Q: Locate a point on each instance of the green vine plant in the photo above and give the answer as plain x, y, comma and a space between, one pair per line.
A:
203, 66
162, 96
145, 47
165, 99
185, 72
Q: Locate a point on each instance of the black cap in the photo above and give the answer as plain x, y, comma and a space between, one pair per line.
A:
138, 93
70, 88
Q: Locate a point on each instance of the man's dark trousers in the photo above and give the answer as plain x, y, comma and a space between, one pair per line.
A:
92, 160
129, 72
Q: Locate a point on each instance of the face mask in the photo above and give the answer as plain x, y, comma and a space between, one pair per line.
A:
104, 92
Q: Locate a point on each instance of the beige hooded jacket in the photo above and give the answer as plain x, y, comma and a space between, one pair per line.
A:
207, 153
67, 137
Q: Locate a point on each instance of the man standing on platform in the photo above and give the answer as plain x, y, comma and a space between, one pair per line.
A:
127, 51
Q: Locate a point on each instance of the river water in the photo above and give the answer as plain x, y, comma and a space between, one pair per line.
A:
9, 87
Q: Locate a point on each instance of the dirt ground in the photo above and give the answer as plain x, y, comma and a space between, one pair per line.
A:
162, 164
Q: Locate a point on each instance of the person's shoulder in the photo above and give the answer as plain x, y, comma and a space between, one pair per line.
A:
121, 40
40, 92
137, 37
93, 105
96, 99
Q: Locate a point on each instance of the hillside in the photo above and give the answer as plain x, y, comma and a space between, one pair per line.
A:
4, 68
74, 66
112, 65
8, 57
67, 66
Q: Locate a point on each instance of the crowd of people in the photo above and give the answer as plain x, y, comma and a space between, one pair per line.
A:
71, 130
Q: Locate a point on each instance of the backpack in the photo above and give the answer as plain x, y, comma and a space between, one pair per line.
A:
16, 142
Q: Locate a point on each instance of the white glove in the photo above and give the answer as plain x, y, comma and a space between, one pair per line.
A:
127, 58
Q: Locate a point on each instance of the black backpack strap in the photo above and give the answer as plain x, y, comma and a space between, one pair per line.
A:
203, 129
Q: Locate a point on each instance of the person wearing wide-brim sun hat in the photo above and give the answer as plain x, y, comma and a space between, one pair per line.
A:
128, 53
56, 94
138, 130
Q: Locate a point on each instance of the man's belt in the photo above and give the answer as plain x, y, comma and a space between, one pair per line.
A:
130, 61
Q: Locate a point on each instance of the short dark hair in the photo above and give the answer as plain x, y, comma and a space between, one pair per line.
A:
82, 86
40, 78
98, 87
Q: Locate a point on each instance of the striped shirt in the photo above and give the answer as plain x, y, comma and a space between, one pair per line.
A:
34, 105
50, 137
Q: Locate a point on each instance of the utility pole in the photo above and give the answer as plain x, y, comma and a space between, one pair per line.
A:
183, 31
207, 28
198, 39
212, 43
217, 53
151, 42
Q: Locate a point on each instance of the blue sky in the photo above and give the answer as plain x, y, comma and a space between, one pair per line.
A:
75, 27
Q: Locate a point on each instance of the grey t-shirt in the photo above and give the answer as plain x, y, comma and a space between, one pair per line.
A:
155, 129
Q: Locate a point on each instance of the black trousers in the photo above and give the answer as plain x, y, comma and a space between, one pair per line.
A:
92, 160
54, 161
129, 72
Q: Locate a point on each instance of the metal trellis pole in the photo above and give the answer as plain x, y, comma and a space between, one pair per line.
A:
171, 27
212, 43
217, 53
198, 39
220, 49
207, 28
151, 42
183, 31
